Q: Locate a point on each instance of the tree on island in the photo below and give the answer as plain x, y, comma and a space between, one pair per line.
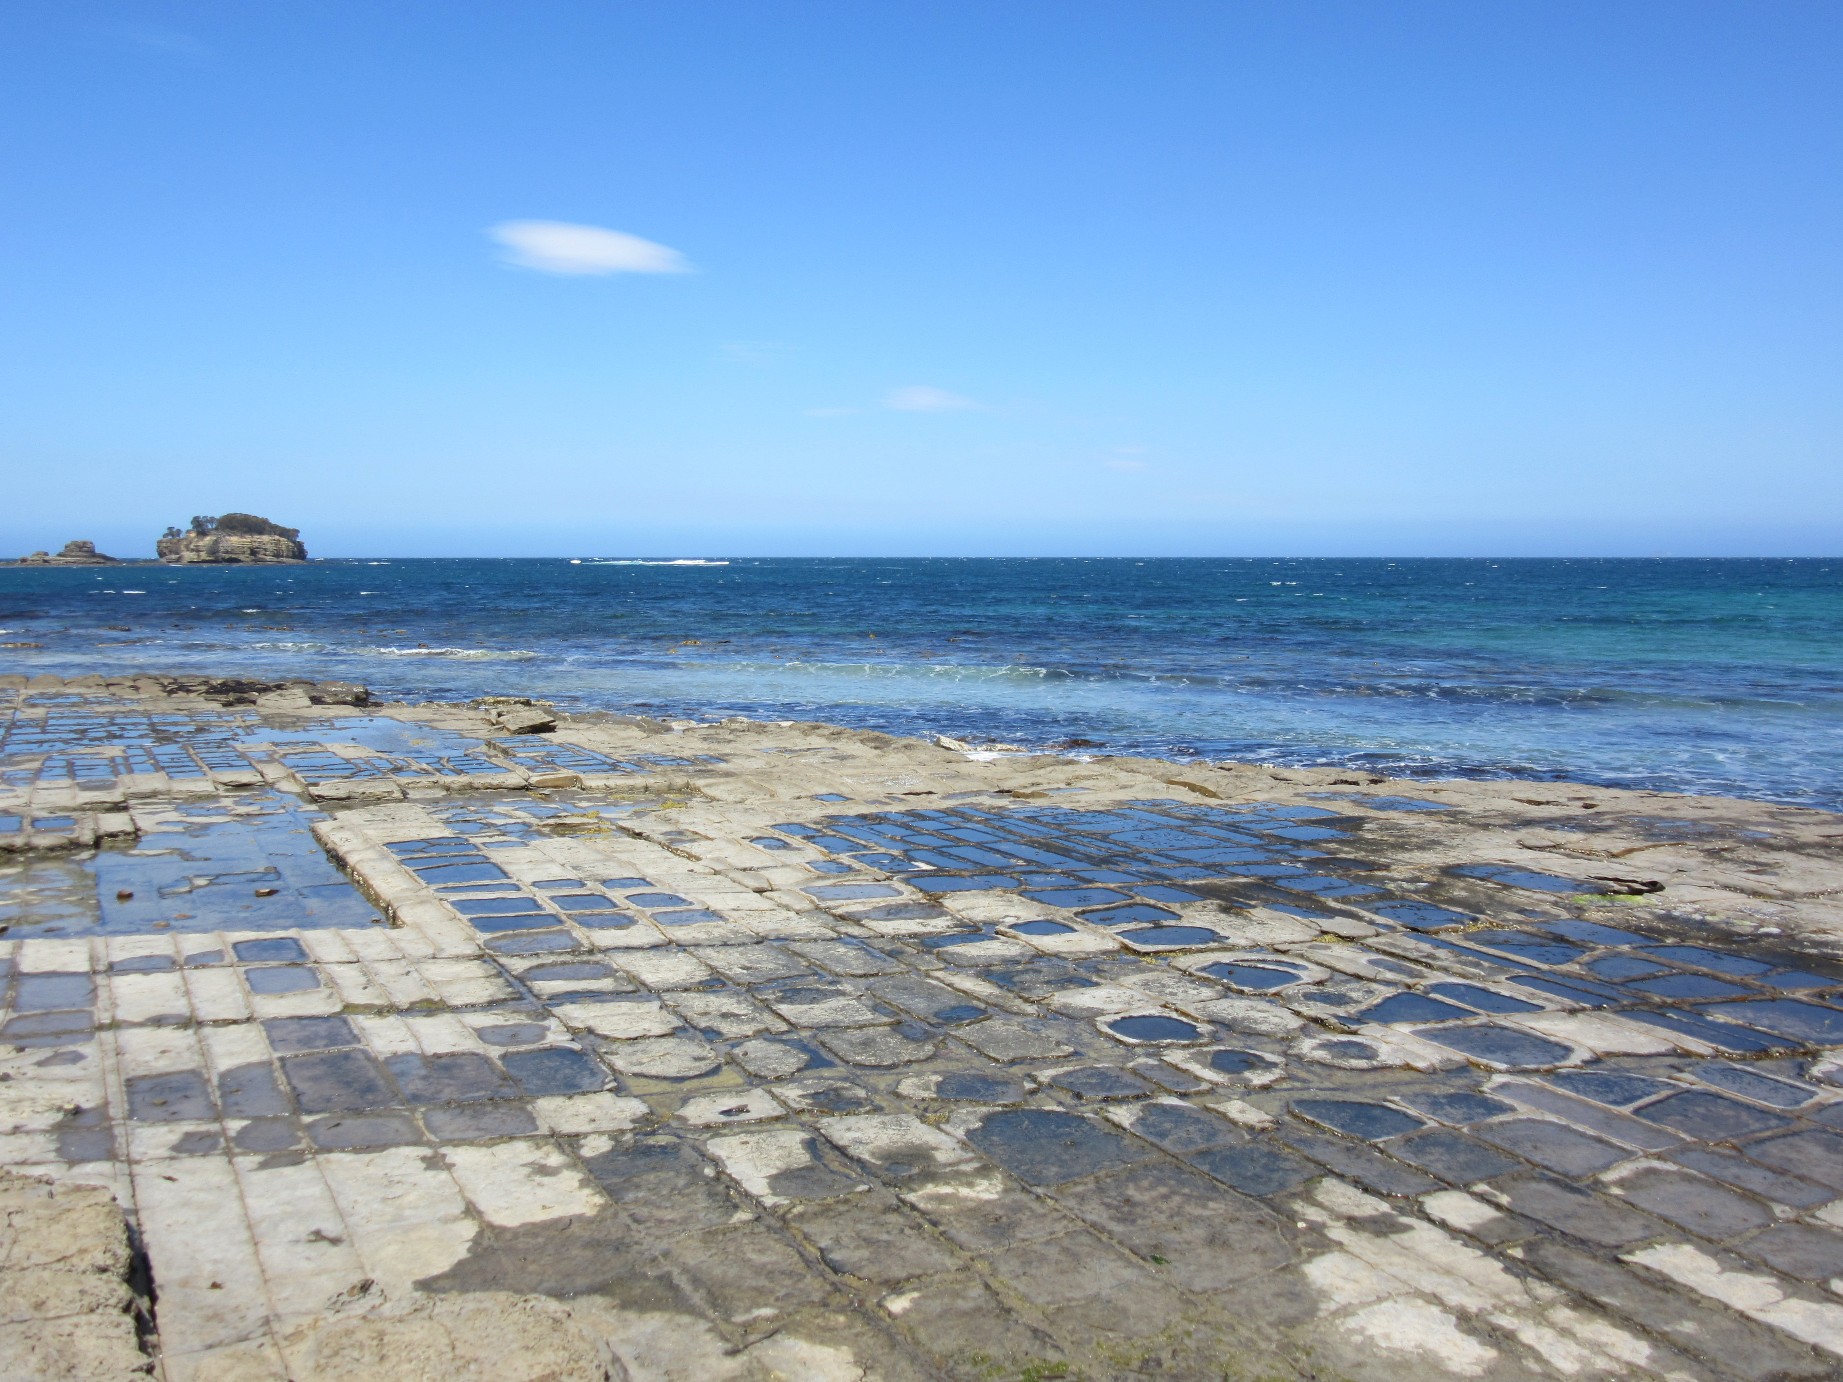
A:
237, 525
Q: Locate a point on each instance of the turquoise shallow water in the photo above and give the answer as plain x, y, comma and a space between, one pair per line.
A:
1707, 676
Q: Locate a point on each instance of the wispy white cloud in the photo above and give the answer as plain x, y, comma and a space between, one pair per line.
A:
1126, 467
755, 352
924, 398
558, 247
1126, 460
170, 42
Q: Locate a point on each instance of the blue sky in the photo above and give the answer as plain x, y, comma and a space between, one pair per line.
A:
1041, 276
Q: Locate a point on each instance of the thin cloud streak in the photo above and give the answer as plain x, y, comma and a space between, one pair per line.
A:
561, 247
170, 42
924, 398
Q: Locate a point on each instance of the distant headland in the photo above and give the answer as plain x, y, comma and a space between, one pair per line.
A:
232, 539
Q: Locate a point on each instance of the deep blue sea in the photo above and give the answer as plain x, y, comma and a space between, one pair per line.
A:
1701, 676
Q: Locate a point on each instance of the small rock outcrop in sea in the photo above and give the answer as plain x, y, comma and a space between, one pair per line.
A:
74, 554
234, 537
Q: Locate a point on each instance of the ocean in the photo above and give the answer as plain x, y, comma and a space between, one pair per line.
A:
1720, 677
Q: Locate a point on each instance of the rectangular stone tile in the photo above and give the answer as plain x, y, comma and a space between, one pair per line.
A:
1255, 1168
355, 986
217, 995
448, 1078
1551, 1145
402, 982
47, 954
387, 1034
725, 1015
625, 1018
139, 998
1082, 1269
897, 1144
595, 1112
1366, 1167
120, 948
751, 964
300, 1236
1453, 1156
328, 946
177, 1096
981, 1211
1733, 1169
1007, 1039
522, 1182
663, 969
1592, 1218
479, 1121
1705, 1331
375, 943
156, 1051
1467, 1214
1758, 1296
1815, 1154
747, 1270
52, 991
1808, 1252
290, 1034
1206, 1236
311, 1003
878, 1047
663, 1184
441, 1034
815, 1005
462, 983
1711, 1117
149, 1142
235, 1044
360, 1131
202, 1253
552, 1070
1691, 1202
846, 957
1050, 1146
957, 1321
927, 1000
1620, 1127
407, 1217
873, 1239
1178, 1127
779, 1165
338, 1081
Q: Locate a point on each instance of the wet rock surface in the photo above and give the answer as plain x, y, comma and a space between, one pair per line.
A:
416, 1045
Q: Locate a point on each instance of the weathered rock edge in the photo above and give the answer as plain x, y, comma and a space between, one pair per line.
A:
69, 1310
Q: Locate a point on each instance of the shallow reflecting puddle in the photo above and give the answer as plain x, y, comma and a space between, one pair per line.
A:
248, 863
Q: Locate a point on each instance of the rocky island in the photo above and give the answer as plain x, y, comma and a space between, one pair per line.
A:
231, 538
73, 554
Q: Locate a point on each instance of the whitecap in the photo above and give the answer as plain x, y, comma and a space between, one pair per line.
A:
472, 654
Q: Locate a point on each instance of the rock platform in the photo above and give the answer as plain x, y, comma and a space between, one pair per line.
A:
343, 1041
